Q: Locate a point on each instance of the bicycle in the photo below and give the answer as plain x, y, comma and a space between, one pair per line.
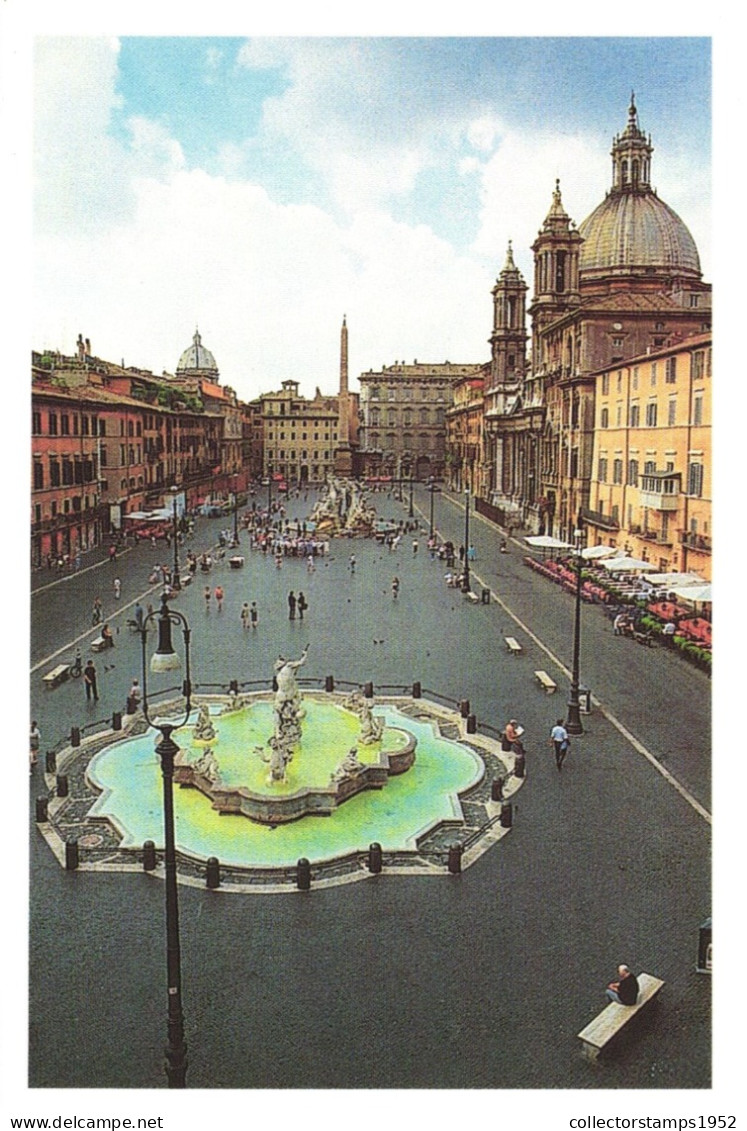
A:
76, 668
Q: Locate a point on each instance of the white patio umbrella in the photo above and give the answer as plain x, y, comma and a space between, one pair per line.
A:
547, 542
625, 565
674, 579
591, 553
698, 594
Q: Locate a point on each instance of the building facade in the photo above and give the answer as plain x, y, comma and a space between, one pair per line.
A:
403, 418
651, 489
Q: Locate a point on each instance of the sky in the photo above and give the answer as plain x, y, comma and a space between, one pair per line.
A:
261, 188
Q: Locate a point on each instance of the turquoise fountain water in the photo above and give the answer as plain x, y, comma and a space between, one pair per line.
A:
129, 777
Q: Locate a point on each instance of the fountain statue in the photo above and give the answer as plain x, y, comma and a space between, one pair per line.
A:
371, 728
204, 730
207, 765
350, 765
288, 711
343, 509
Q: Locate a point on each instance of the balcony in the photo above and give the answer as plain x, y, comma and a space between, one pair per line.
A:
695, 541
597, 518
658, 537
660, 491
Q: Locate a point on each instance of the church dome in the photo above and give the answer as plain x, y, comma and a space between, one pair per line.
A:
632, 229
197, 358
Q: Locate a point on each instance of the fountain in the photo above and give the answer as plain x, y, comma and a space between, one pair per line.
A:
313, 767
343, 509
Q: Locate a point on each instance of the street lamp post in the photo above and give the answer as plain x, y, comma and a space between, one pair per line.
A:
465, 576
410, 511
165, 659
573, 720
235, 510
432, 489
176, 582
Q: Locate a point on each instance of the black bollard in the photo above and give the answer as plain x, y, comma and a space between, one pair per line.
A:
496, 789
416, 690
212, 873
117, 720
41, 810
303, 874
50, 761
71, 855
75, 736
520, 764
368, 690
149, 856
471, 724
464, 708
62, 785
455, 859
233, 687
374, 858
329, 683
507, 814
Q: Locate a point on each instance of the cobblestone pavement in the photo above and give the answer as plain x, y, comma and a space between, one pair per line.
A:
475, 981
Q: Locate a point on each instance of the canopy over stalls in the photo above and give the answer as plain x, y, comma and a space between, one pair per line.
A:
672, 580
698, 594
547, 542
626, 565
591, 553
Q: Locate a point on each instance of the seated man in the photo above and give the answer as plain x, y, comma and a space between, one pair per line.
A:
106, 636
625, 991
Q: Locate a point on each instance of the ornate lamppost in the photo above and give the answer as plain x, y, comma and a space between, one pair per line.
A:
235, 510
176, 581
165, 659
573, 720
432, 489
465, 576
410, 511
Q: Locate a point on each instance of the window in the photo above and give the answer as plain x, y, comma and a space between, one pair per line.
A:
67, 473
54, 473
635, 377
602, 470
694, 300
617, 471
38, 475
672, 411
604, 418
36, 423
653, 373
697, 364
633, 473
671, 370
605, 384
649, 467
65, 424
695, 479
375, 392
651, 414
697, 411
618, 415
53, 424
635, 415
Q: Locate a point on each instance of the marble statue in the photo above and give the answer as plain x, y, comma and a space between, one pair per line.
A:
207, 766
204, 730
349, 766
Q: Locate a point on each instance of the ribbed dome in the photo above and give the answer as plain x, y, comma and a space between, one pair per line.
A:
197, 357
637, 229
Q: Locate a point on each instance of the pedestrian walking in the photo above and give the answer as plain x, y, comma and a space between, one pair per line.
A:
134, 697
139, 616
77, 561
352, 563
395, 588
89, 679
245, 615
291, 605
414, 546
302, 605
218, 594
34, 743
112, 552
117, 588
96, 613
254, 614
560, 741
207, 595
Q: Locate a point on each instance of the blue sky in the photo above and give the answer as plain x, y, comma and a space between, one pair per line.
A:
261, 188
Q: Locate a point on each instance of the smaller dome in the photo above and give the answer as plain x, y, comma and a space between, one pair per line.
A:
197, 357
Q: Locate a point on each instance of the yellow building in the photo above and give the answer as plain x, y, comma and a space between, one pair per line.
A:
651, 481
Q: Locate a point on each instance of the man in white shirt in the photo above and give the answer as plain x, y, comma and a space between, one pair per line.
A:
560, 741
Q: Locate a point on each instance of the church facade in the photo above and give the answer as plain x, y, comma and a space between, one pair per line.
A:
625, 282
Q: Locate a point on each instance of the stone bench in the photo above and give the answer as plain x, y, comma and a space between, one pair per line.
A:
606, 1025
472, 597
57, 675
545, 681
513, 645
99, 644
